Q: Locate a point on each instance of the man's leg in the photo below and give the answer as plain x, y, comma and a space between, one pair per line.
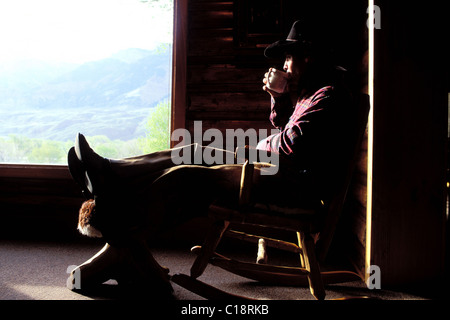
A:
153, 162
193, 154
177, 195
95, 172
185, 192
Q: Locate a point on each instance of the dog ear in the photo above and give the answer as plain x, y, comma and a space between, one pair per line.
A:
86, 213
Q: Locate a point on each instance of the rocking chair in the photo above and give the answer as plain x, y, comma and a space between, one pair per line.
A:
304, 222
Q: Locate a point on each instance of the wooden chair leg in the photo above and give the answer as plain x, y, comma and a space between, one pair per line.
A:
262, 258
311, 264
299, 241
212, 240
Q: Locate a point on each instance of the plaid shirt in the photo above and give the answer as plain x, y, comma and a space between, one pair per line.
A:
301, 126
315, 135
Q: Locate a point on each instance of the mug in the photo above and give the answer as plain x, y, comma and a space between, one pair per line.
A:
277, 80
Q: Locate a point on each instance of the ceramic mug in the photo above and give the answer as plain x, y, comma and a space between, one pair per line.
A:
277, 80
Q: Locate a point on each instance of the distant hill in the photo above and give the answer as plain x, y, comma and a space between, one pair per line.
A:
109, 97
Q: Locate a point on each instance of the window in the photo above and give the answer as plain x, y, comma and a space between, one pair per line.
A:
99, 67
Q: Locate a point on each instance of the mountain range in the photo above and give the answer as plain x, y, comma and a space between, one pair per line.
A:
111, 97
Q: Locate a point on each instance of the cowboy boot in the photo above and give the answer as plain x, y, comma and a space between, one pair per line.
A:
79, 174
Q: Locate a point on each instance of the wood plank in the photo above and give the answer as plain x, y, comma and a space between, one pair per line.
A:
236, 266
241, 58
209, 246
311, 264
210, 19
41, 201
409, 149
210, 5
223, 74
222, 46
236, 87
242, 115
278, 276
34, 171
38, 187
179, 66
239, 100
273, 243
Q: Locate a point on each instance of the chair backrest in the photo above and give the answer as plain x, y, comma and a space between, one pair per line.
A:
336, 203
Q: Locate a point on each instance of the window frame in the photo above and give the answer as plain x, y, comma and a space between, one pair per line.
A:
34, 171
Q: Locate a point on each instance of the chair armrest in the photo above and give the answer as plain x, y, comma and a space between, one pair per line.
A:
252, 154
248, 153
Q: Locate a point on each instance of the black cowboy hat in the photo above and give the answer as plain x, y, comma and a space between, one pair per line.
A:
299, 39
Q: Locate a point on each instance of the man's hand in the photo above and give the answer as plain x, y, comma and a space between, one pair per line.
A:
274, 94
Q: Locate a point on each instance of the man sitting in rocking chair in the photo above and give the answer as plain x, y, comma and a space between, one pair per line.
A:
130, 198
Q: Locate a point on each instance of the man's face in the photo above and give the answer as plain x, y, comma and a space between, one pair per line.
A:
295, 66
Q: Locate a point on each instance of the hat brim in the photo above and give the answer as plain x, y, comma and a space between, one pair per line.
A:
280, 48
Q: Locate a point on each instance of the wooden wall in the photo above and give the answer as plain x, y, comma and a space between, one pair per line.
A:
223, 81
38, 202
225, 64
409, 143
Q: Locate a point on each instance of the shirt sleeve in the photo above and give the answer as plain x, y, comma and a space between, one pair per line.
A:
305, 130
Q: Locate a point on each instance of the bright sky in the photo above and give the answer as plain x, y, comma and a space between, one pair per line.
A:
78, 30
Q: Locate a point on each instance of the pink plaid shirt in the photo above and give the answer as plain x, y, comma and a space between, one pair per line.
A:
315, 134
300, 126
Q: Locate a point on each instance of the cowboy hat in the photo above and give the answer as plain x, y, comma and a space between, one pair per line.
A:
298, 40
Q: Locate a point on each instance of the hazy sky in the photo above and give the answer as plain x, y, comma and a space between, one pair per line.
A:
78, 30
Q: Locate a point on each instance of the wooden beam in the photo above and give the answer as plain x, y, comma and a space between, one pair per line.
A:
180, 36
